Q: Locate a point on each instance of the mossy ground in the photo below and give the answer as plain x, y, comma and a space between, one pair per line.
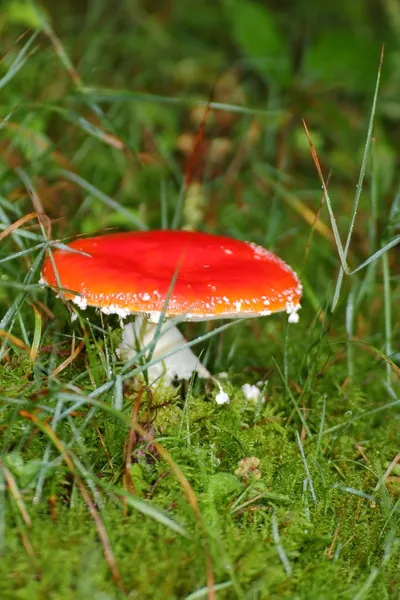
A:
335, 537
111, 490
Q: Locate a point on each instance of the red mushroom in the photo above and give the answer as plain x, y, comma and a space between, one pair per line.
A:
203, 276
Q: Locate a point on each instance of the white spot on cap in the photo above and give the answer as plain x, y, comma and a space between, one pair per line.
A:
114, 309
238, 306
146, 297
80, 301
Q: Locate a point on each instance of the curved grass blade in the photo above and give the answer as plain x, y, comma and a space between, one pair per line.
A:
102, 197
359, 184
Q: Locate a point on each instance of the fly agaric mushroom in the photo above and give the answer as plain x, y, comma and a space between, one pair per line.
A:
195, 276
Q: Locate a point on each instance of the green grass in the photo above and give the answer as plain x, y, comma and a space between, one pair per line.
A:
110, 490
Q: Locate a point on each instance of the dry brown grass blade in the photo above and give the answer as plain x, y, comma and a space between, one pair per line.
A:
45, 309
371, 350
388, 471
19, 38
59, 49
191, 496
198, 146
12, 486
75, 352
43, 219
27, 544
130, 443
17, 224
14, 340
314, 224
330, 551
101, 530
314, 154
309, 216
104, 446
335, 231
107, 138
15, 493
176, 470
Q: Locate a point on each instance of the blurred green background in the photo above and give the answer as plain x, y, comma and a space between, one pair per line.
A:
144, 65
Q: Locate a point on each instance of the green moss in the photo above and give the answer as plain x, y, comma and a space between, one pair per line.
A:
334, 542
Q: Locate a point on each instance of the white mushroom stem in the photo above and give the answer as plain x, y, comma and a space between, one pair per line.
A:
181, 365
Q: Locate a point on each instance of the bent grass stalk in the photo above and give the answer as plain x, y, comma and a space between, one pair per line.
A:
360, 182
343, 251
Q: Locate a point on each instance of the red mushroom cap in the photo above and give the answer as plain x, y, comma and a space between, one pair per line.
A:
216, 276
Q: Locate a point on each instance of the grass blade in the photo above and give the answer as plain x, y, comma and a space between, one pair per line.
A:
103, 198
359, 184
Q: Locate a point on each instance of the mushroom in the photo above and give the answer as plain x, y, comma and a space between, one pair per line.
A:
169, 273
